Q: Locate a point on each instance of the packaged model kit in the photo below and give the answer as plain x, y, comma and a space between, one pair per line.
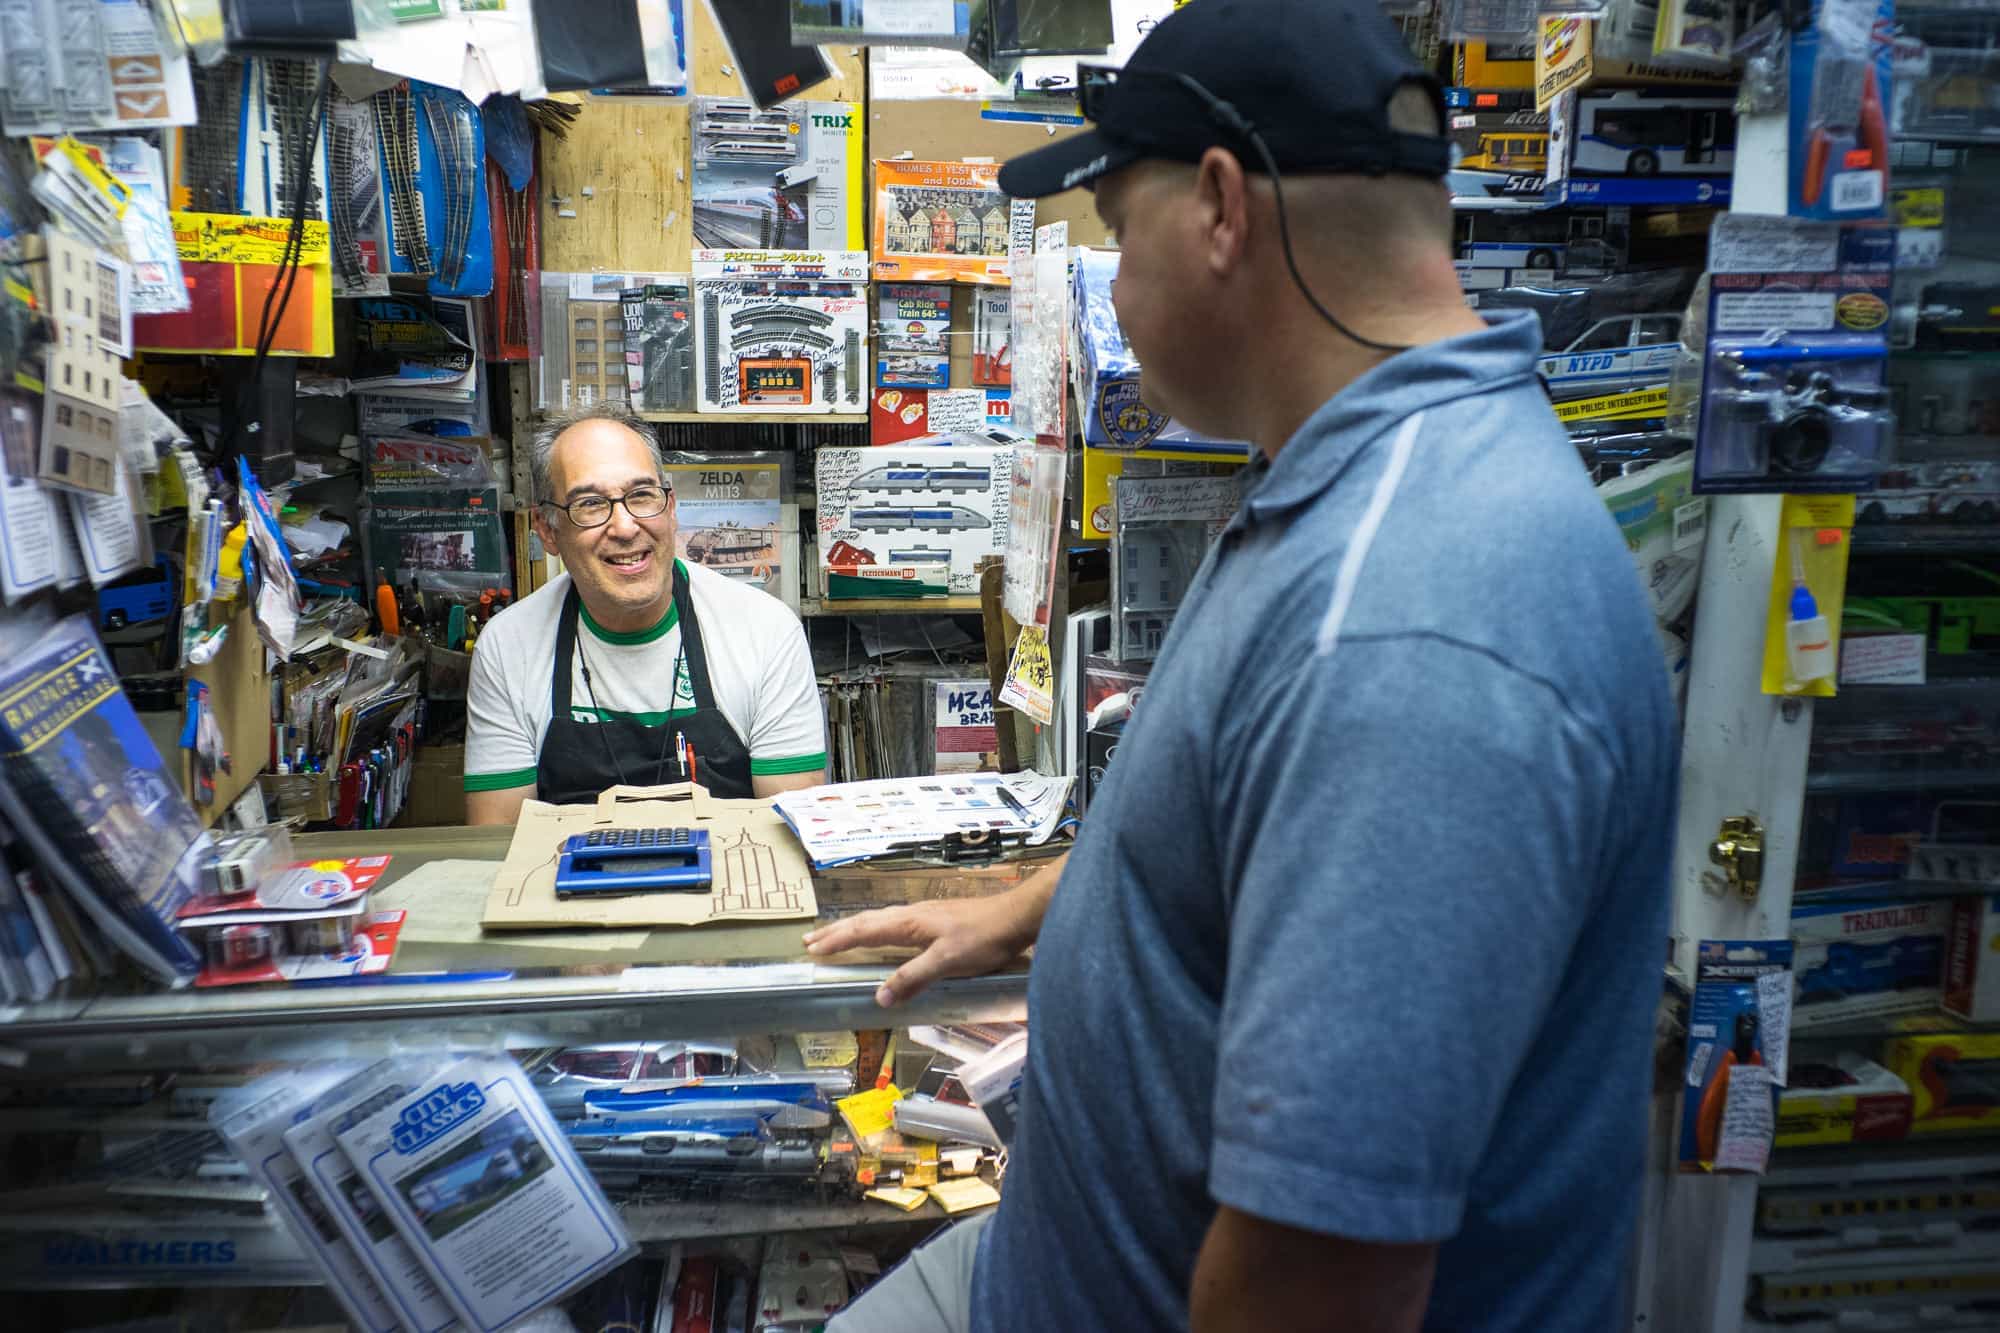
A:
912, 336
787, 178
1641, 146
781, 330
1162, 527
729, 510
912, 520
945, 222
486, 1191
659, 347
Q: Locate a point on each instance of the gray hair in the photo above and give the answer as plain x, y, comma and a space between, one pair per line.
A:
542, 448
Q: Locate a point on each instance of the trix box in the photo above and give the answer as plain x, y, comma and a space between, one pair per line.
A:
1972, 959
1856, 959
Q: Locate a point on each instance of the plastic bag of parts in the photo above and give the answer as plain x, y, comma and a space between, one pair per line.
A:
1502, 19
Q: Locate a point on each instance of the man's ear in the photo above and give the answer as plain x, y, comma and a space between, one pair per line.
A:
1223, 194
539, 517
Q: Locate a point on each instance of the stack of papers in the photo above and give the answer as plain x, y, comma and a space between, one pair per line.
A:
853, 821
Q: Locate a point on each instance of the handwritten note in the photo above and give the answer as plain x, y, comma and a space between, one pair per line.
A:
1749, 1120
1882, 659
1774, 1022
1744, 243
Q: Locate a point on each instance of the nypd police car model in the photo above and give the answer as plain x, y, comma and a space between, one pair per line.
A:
1613, 356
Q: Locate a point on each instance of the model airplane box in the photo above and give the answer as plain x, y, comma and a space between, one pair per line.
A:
1105, 373
912, 520
781, 330
1855, 960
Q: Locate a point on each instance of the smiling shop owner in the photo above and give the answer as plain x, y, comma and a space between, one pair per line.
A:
569, 691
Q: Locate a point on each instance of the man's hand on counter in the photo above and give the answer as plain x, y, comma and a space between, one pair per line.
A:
958, 937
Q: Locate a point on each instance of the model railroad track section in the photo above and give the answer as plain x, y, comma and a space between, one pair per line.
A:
288, 95
208, 147
396, 129
344, 152
517, 204
853, 358
771, 337
454, 136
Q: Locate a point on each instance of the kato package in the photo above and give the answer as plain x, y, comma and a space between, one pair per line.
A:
1851, 1100
781, 330
1736, 1050
1106, 374
486, 1191
912, 520
1793, 397
1954, 1081
786, 178
1860, 959
1971, 979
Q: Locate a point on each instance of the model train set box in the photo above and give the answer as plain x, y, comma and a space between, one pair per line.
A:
781, 330
912, 520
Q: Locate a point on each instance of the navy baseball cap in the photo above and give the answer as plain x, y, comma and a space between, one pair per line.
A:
1312, 78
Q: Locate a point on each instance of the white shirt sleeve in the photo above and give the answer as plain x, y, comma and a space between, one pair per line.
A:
500, 738
787, 734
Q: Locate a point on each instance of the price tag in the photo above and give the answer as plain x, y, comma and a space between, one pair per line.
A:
1748, 1121
1690, 523
1882, 659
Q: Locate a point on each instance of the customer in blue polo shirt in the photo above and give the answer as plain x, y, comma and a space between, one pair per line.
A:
1340, 1017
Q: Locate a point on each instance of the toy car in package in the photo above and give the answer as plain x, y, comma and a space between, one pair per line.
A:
781, 330
1793, 394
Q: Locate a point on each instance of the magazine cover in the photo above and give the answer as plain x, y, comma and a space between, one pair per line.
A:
77, 756
945, 222
485, 1189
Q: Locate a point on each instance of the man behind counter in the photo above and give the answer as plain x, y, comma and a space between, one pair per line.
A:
570, 687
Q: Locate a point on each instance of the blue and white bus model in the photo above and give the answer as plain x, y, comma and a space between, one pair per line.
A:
1628, 133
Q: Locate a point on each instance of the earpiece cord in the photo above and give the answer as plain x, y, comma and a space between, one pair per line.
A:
1226, 115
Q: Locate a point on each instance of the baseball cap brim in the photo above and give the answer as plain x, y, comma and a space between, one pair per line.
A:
1067, 164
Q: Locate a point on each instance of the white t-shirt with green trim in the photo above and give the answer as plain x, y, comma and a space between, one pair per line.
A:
759, 668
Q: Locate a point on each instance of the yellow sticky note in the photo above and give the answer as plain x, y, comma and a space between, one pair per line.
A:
906, 1199
870, 1113
956, 1196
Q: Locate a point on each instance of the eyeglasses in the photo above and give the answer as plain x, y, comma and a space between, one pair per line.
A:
594, 511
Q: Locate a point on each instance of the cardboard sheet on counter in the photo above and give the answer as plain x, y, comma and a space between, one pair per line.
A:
760, 871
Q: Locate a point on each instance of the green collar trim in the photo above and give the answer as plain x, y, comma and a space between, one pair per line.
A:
629, 637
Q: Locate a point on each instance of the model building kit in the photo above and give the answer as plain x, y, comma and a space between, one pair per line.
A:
781, 330
912, 520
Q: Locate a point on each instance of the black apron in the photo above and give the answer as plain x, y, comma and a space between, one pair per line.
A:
577, 760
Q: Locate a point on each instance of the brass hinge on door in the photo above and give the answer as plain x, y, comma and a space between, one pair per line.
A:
1739, 849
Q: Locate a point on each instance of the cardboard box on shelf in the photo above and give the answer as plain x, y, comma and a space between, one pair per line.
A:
1478, 64
437, 787
1972, 959
1860, 1102
1860, 959
1951, 1077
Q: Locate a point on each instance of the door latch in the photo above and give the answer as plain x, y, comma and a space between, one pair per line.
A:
1739, 849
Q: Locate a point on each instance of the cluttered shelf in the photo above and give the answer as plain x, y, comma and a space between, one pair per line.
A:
399, 1014
220, 1249
758, 418
1848, 782
889, 606
1926, 539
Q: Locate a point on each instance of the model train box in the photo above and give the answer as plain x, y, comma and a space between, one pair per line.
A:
1863, 959
912, 332
1952, 1078
1105, 373
781, 330
787, 177
1641, 146
1971, 978
1851, 1100
912, 520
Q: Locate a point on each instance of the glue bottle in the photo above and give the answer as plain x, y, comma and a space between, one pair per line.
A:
1808, 639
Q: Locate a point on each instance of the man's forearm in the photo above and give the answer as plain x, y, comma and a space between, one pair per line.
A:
1033, 896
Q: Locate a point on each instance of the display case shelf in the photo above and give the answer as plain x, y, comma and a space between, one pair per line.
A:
1921, 1023
1856, 781
1898, 1159
1878, 890
1926, 539
481, 1012
758, 418
889, 606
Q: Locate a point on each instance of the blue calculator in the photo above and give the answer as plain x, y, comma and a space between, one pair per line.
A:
611, 863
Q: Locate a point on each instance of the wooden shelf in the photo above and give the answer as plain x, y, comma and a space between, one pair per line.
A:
759, 418
889, 606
